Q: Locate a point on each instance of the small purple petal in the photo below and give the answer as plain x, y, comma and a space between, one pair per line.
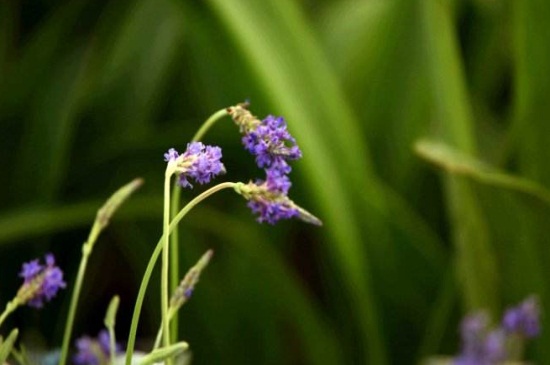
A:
171, 155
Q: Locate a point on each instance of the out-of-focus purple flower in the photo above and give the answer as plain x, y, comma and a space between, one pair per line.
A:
272, 144
484, 346
88, 352
524, 318
495, 346
198, 162
92, 351
41, 282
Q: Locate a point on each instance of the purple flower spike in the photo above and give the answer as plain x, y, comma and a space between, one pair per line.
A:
41, 283
269, 201
92, 351
272, 144
198, 162
523, 319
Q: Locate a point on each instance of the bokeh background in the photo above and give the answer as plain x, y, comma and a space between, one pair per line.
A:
92, 93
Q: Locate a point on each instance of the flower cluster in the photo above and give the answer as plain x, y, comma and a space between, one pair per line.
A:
268, 199
91, 351
41, 282
482, 345
198, 162
273, 147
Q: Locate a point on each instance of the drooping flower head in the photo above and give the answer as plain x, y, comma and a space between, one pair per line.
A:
523, 319
268, 199
41, 282
199, 162
268, 140
91, 351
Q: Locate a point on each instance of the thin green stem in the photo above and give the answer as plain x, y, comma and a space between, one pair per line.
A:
86, 250
174, 208
153, 260
209, 123
171, 315
112, 345
102, 219
165, 257
174, 254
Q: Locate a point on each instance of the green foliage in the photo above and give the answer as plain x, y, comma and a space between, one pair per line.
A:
94, 92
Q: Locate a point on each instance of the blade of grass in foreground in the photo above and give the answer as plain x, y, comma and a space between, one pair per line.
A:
302, 86
456, 163
532, 111
476, 263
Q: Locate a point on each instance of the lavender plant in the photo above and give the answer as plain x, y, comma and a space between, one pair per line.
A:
273, 148
501, 344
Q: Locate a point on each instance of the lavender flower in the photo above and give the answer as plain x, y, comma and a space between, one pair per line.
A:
92, 351
198, 162
272, 144
41, 282
523, 319
268, 199
268, 140
484, 346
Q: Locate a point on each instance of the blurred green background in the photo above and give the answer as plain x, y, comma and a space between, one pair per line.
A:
92, 93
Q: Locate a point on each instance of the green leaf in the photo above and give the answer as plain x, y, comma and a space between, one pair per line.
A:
476, 262
7, 345
164, 353
456, 163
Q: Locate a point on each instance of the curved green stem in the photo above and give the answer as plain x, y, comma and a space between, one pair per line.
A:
165, 258
153, 260
174, 254
209, 123
174, 208
86, 250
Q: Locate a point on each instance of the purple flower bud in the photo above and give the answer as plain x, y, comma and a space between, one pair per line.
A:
92, 351
41, 283
523, 319
171, 155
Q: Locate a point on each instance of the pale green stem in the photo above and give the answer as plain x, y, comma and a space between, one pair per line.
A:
171, 314
174, 207
174, 254
165, 257
153, 260
209, 123
86, 251
112, 344
10, 308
